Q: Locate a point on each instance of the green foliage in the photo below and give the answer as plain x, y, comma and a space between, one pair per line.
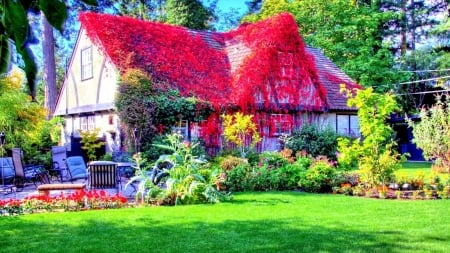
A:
230, 162
189, 180
314, 141
240, 130
375, 154
152, 108
431, 133
23, 121
188, 13
272, 172
237, 179
90, 143
273, 159
146, 191
318, 177
15, 26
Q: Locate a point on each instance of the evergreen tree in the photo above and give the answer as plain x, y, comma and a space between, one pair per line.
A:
189, 13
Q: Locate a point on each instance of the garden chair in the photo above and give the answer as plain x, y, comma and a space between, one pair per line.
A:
103, 175
59, 167
77, 168
7, 174
27, 173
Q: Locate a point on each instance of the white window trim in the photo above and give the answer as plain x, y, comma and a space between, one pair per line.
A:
87, 67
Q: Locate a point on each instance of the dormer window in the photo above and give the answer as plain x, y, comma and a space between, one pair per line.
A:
86, 63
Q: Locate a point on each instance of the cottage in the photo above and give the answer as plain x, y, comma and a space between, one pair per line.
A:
262, 68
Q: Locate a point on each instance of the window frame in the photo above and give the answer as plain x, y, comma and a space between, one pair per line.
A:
87, 122
281, 124
349, 130
87, 66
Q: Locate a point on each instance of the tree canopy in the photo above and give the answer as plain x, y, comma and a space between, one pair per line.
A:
14, 27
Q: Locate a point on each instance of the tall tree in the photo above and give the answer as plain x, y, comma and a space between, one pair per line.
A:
14, 26
49, 70
189, 13
143, 9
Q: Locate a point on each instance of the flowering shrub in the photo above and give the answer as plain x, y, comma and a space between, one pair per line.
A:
319, 176
77, 201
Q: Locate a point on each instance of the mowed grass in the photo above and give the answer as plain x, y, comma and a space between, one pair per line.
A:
253, 222
416, 166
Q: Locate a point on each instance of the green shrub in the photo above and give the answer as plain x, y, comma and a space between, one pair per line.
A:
237, 179
273, 159
314, 141
231, 162
431, 132
376, 154
319, 177
288, 176
91, 143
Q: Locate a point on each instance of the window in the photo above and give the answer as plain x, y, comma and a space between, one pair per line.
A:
286, 61
280, 124
86, 63
87, 123
347, 125
182, 128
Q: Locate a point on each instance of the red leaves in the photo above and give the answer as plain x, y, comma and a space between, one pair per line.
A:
169, 53
279, 69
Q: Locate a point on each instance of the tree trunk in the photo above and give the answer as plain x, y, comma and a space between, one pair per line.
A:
49, 72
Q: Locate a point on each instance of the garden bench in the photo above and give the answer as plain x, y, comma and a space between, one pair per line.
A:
44, 189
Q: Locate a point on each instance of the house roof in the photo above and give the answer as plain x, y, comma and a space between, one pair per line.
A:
264, 63
332, 78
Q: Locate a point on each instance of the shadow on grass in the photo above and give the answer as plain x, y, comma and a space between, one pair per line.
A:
147, 233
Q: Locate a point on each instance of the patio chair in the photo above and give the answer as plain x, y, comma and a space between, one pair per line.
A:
103, 175
27, 173
77, 168
7, 174
59, 167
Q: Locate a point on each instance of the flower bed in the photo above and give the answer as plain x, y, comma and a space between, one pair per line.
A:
77, 201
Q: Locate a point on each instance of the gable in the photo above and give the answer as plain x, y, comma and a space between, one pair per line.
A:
91, 91
275, 66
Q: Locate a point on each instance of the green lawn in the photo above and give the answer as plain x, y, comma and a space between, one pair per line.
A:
412, 168
253, 222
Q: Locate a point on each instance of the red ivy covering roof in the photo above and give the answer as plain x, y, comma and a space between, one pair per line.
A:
169, 53
264, 65
278, 68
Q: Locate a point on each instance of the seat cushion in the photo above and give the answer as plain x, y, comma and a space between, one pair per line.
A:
7, 167
77, 167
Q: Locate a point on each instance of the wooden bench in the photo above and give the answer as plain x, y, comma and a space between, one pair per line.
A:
44, 189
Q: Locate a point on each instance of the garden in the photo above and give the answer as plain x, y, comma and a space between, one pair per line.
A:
253, 222
173, 171
321, 192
